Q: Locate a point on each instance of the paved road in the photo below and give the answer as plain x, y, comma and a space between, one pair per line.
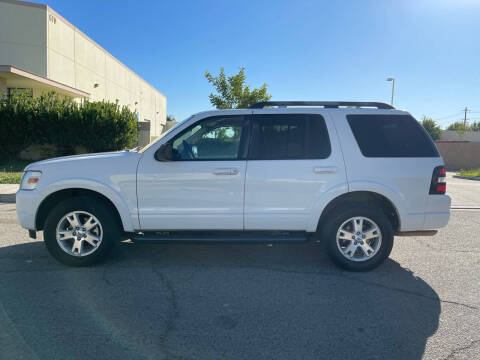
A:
242, 302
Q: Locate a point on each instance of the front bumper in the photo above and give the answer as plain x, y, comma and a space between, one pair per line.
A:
27, 204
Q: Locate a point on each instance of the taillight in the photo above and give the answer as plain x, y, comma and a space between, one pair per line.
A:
438, 185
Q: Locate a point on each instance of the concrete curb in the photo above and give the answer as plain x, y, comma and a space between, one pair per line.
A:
7, 192
477, 178
7, 198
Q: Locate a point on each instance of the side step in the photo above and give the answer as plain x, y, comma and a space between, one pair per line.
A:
221, 236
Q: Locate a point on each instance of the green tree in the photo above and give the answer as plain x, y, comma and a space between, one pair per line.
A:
431, 127
232, 93
475, 126
171, 118
459, 127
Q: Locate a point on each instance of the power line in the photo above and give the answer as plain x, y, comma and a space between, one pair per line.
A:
447, 117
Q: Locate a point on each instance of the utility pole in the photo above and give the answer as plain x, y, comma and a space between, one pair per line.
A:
393, 88
465, 119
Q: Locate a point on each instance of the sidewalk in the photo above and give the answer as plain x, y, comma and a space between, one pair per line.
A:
7, 192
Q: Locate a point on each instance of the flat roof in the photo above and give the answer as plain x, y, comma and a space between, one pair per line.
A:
48, 8
9, 69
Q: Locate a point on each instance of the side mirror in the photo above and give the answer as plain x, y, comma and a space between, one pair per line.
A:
164, 152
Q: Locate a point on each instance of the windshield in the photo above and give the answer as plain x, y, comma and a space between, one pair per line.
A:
151, 143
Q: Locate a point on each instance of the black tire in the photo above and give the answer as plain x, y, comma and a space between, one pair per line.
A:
338, 216
111, 230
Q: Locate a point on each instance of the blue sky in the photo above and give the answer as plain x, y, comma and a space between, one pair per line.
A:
304, 50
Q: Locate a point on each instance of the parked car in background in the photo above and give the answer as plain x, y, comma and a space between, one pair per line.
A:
351, 174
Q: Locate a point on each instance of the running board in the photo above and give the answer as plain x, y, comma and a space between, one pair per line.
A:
220, 236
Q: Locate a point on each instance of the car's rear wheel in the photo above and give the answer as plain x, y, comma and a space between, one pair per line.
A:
358, 237
79, 231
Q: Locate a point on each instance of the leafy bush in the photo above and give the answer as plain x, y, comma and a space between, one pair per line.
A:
16, 124
431, 127
50, 119
10, 177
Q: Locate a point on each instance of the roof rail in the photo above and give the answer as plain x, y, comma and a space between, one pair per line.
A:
325, 104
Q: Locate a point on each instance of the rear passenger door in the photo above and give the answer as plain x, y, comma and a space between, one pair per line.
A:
292, 161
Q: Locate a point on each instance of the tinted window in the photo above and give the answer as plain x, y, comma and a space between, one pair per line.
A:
215, 138
391, 136
289, 136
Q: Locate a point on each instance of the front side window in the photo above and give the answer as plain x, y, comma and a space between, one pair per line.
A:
289, 136
215, 138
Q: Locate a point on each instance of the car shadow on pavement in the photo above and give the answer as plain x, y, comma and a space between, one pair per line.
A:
219, 301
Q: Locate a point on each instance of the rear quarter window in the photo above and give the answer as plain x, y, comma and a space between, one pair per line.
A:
391, 136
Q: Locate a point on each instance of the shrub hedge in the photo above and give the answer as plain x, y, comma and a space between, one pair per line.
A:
51, 119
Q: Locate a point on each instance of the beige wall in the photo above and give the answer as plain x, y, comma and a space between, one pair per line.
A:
23, 37
35, 38
460, 155
74, 59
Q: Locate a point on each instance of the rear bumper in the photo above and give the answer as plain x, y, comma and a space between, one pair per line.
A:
437, 212
435, 215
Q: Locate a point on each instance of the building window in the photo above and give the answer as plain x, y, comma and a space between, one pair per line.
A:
20, 91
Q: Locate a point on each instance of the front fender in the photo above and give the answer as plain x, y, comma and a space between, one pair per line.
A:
129, 219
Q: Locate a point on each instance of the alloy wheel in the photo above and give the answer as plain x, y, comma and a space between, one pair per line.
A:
359, 238
79, 233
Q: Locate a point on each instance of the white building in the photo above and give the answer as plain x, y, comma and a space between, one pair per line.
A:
41, 51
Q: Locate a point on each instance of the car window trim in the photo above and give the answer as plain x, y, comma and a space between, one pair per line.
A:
352, 116
254, 133
241, 150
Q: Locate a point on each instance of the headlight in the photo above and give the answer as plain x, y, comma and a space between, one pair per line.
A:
30, 180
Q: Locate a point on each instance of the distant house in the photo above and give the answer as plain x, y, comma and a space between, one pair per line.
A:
452, 135
40, 51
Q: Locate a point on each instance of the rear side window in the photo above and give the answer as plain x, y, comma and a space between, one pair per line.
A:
289, 136
391, 136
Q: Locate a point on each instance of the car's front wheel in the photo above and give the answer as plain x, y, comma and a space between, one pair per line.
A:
79, 231
358, 237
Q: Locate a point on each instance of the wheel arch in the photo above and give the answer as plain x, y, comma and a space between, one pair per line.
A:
53, 198
385, 204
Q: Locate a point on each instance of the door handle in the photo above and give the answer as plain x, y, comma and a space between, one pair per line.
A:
325, 169
225, 171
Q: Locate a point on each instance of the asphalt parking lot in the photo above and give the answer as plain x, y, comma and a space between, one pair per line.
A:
243, 301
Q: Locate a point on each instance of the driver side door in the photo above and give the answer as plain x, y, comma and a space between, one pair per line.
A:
202, 188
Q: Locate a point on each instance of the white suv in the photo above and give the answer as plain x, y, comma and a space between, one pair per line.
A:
352, 174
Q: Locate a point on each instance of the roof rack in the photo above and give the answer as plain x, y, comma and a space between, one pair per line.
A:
325, 104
